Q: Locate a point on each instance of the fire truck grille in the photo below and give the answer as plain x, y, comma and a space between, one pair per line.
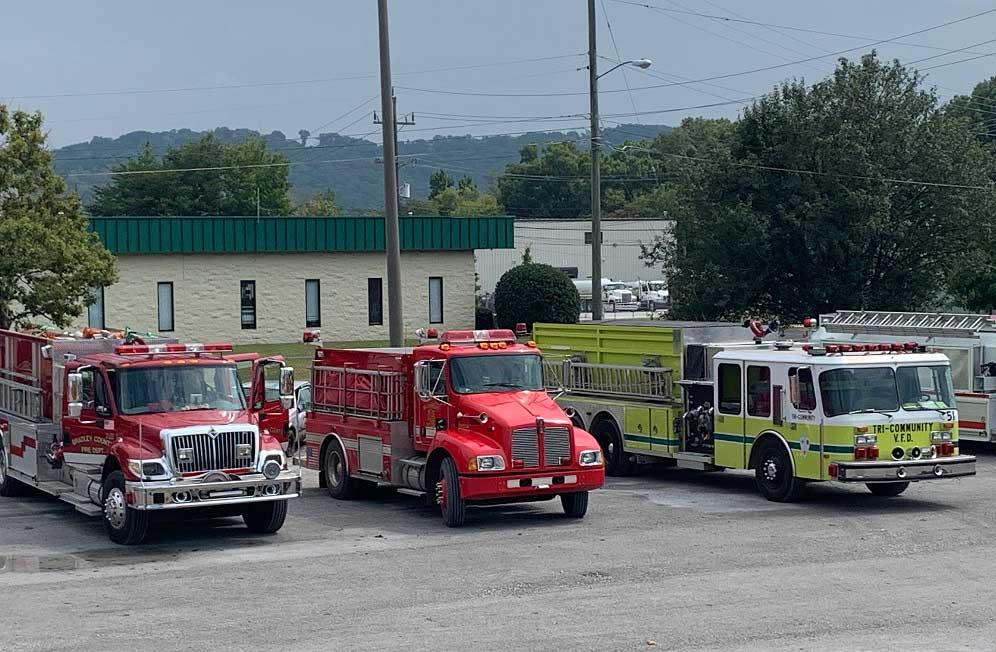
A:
525, 447
556, 445
202, 452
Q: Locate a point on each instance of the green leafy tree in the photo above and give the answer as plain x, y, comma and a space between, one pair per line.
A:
548, 183
855, 228
49, 260
465, 200
204, 177
533, 292
318, 205
439, 181
977, 110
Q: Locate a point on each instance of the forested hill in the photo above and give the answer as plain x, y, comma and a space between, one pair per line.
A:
340, 163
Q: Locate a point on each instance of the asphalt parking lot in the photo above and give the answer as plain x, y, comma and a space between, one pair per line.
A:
665, 560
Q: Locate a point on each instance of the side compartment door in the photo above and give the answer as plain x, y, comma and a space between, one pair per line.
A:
636, 428
662, 436
803, 433
730, 439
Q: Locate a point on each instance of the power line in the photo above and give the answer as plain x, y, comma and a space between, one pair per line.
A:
186, 89
714, 77
615, 47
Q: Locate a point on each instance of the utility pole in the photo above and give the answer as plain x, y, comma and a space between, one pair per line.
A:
596, 175
392, 242
406, 120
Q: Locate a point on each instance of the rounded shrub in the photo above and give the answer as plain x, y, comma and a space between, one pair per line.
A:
534, 292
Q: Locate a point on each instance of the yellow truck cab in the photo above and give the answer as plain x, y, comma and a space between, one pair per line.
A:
704, 396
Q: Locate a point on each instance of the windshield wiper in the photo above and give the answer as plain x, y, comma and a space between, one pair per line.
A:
869, 411
512, 385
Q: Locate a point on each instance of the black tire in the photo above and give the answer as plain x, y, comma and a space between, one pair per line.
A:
335, 471
265, 518
123, 524
617, 460
773, 473
888, 489
575, 504
9, 487
451, 503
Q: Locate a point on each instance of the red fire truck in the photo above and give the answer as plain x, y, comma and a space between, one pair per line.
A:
464, 419
125, 428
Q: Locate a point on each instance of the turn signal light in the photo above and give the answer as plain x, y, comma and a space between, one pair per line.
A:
832, 470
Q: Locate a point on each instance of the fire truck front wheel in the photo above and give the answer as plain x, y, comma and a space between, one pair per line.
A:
448, 497
124, 524
888, 489
773, 473
265, 518
575, 504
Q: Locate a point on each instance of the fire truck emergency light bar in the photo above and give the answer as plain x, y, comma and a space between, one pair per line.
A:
473, 337
895, 347
155, 349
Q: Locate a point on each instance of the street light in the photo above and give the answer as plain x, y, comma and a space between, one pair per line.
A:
596, 179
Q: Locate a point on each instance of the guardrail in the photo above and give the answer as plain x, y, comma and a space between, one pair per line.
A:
654, 383
358, 392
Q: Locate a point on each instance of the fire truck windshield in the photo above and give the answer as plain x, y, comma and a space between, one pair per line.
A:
174, 389
481, 374
885, 390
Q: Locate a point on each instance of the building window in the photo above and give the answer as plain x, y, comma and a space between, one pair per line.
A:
435, 299
312, 303
165, 301
375, 301
95, 311
588, 239
248, 304
758, 391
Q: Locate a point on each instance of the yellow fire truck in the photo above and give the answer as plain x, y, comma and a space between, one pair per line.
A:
716, 395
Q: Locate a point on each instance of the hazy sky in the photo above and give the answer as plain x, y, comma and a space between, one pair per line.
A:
82, 49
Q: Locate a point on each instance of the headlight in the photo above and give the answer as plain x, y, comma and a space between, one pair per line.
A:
147, 469
940, 435
590, 458
272, 467
865, 440
490, 463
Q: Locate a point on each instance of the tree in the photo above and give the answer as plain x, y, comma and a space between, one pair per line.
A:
204, 177
856, 192
977, 110
550, 183
49, 259
304, 135
320, 204
533, 292
465, 200
439, 182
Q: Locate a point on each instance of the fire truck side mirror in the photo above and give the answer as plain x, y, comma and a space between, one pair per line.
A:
421, 373
794, 394
74, 394
287, 387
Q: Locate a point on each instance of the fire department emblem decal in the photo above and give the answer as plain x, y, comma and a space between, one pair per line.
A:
804, 444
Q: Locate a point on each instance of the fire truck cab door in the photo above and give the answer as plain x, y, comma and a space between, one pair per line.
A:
87, 438
264, 396
802, 429
430, 414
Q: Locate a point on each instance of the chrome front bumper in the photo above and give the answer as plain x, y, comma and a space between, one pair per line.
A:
938, 468
180, 494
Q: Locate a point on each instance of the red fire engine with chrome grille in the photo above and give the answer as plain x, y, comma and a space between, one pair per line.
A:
464, 418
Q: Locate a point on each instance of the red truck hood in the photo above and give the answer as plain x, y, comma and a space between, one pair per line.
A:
515, 409
153, 423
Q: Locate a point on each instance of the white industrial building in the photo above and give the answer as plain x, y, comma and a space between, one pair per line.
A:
566, 244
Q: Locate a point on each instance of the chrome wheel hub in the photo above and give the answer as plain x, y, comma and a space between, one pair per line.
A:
335, 470
770, 469
115, 508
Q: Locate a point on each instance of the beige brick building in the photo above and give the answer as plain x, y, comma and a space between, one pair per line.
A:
266, 281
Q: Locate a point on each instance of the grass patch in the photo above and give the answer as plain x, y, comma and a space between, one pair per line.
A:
300, 355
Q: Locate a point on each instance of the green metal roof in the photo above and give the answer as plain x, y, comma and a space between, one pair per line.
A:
238, 235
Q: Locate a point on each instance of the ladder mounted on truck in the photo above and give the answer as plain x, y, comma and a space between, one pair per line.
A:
652, 383
948, 324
